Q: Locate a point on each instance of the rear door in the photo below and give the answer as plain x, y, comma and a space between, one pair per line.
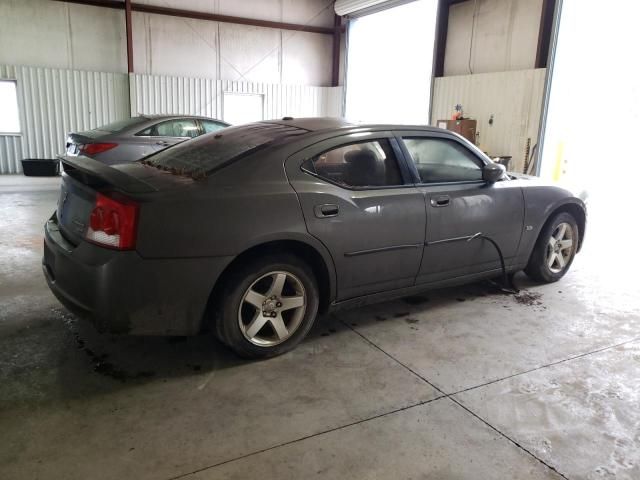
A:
358, 200
459, 205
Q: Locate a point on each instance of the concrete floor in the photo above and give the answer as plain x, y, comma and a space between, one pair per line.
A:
459, 383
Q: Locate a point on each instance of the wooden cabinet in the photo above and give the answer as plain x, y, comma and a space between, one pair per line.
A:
466, 128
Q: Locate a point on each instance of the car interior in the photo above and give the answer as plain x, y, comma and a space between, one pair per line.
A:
441, 161
359, 165
177, 128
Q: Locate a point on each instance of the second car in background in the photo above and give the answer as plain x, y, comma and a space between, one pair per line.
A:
137, 137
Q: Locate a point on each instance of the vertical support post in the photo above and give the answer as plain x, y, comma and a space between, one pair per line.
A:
127, 16
335, 59
442, 25
545, 32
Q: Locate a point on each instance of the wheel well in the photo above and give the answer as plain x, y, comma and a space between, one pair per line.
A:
576, 212
305, 252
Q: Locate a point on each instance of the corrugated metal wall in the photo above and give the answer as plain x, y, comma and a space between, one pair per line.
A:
53, 102
513, 98
154, 94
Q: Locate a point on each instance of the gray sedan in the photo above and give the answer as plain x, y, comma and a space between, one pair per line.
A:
136, 137
256, 230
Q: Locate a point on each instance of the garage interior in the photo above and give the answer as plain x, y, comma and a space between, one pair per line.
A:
462, 382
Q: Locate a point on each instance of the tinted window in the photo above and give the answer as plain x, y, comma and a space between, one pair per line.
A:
365, 164
438, 160
146, 132
211, 126
182, 127
208, 153
121, 125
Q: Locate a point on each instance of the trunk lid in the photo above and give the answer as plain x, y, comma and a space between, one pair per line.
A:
84, 177
75, 140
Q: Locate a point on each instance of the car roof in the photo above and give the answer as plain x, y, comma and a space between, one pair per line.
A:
317, 124
167, 117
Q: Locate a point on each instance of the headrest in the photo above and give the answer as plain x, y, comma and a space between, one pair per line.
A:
362, 159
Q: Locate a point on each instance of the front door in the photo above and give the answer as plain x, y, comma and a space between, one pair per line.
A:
461, 207
358, 200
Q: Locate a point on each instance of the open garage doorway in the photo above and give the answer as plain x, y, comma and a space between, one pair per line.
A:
390, 57
592, 115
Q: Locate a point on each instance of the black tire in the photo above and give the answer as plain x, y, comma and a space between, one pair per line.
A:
229, 304
538, 267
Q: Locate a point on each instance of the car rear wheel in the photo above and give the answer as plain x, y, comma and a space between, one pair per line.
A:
268, 306
555, 249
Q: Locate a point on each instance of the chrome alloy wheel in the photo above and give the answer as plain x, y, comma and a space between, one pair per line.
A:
272, 309
560, 248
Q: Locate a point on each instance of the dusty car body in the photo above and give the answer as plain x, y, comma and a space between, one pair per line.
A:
254, 230
136, 137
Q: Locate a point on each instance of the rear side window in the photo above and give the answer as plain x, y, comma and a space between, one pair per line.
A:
439, 160
358, 165
207, 153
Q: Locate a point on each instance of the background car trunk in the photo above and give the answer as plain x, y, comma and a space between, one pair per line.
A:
74, 140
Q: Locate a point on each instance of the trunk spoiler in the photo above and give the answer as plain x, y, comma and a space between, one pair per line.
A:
94, 173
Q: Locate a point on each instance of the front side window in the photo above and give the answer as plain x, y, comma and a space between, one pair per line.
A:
439, 160
358, 165
183, 127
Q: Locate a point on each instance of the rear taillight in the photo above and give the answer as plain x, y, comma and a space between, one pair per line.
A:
95, 148
113, 222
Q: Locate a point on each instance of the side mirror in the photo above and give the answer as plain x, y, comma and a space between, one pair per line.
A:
492, 172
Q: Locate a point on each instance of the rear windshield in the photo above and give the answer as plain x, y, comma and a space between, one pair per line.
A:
207, 153
121, 125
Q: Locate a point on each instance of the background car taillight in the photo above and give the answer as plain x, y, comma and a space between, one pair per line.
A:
113, 222
95, 148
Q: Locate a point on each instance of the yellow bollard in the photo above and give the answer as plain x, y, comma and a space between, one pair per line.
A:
557, 171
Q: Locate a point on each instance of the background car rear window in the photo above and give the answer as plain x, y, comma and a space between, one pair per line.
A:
439, 160
210, 126
121, 125
358, 165
207, 153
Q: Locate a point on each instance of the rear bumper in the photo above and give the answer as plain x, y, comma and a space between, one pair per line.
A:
122, 292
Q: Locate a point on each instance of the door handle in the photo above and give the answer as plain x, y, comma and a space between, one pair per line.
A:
326, 210
440, 201
163, 143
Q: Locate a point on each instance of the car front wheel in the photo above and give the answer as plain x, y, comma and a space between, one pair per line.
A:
555, 249
268, 306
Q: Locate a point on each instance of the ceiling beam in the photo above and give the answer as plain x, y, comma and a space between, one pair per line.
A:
214, 17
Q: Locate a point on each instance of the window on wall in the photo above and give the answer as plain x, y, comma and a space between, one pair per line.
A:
9, 115
239, 108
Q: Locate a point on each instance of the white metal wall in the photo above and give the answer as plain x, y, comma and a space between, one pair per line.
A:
155, 94
85, 37
513, 98
492, 36
53, 102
